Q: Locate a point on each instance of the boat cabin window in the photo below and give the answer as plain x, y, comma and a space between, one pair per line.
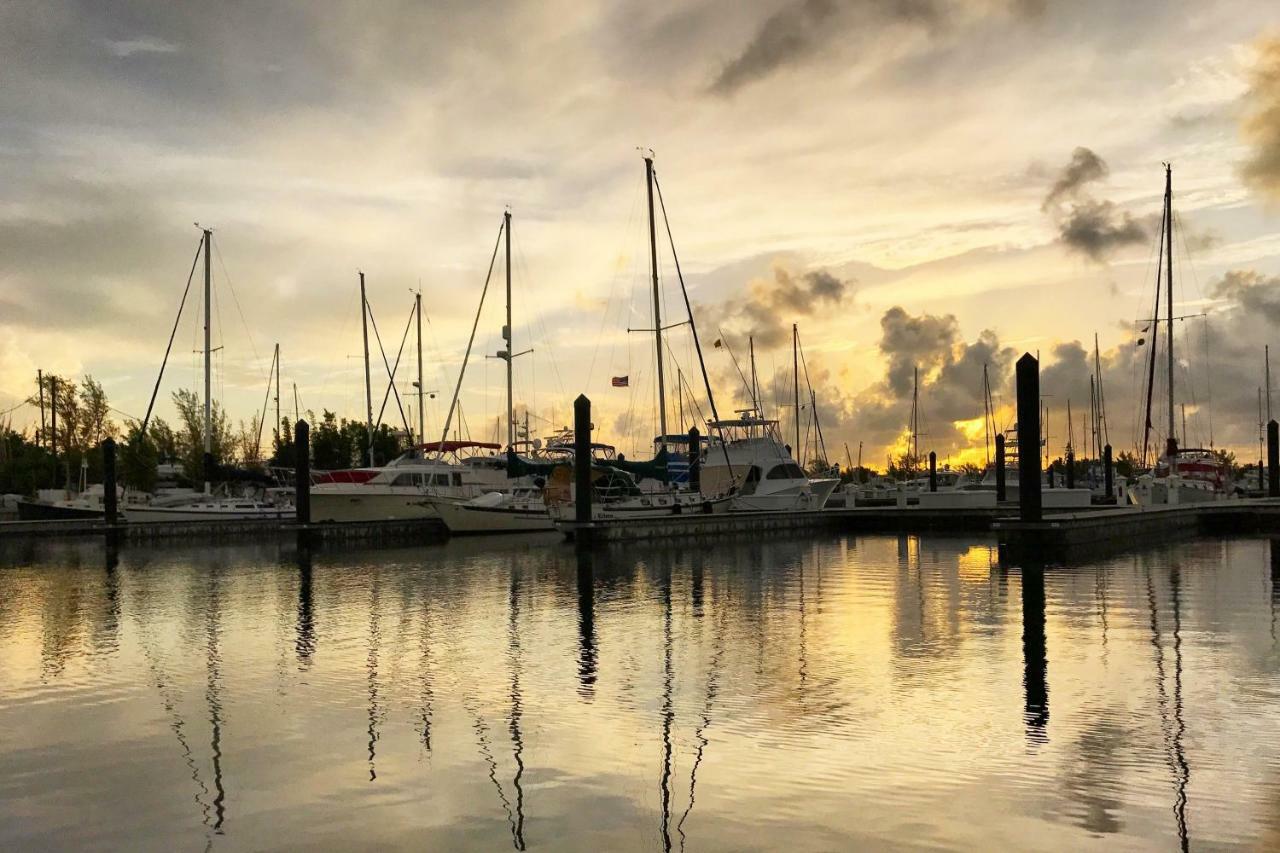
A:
403, 480
439, 479
457, 478
786, 471
751, 481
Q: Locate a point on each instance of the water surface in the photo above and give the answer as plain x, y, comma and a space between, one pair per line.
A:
816, 693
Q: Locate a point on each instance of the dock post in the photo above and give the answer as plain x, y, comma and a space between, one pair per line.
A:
582, 460
1049, 475
1108, 472
302, 471
1001, 490
933, 471
1028, 382
1071, 470
1273, 459
109, 505
695, 460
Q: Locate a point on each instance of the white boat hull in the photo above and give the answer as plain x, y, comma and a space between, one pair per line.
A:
462, 518
179, 513
346, 506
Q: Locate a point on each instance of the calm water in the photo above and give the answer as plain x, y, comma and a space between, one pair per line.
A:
814, 694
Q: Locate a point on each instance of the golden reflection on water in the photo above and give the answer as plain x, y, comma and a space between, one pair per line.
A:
809, 693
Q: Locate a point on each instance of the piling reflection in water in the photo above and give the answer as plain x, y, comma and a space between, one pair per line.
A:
734, 696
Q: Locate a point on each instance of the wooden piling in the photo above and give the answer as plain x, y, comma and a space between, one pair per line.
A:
302, 472
1001, 489
1108, 473
695, 460
1273, 459
1028, 384
109, 504
1071, 469
582, 460
933, 471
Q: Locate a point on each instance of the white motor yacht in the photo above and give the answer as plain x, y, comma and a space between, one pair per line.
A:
753, 466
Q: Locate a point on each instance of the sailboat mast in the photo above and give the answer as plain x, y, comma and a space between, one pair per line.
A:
277, 429
506, 330
1168, 248
657, 307
422, 420
208, 384
986, 414
915, 417
368, 385
1266, 356
795, 381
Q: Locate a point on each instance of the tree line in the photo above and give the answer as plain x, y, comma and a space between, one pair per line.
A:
77, 419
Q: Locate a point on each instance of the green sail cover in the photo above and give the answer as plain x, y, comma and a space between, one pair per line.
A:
654, 469
517, 467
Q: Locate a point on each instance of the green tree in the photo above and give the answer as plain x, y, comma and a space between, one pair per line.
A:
138, 459
190, 441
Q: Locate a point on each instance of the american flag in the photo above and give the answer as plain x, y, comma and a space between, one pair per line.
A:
621, 381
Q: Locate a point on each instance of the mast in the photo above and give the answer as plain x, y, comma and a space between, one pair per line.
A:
368, 386
1267, 362
506, 330
277, 429
795, 381
657, 306
915, 417
755, 384
986, 414
422, 421
208, 402
1168, 248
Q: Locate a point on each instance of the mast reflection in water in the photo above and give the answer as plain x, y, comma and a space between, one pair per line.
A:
731, 695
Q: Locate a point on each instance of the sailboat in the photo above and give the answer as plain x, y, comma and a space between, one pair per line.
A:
206, 506
1181, 475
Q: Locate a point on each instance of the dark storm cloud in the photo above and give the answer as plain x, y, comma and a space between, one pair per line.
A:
802, 28
772, 305
1097, 228
909, 342
1085, 167
1251, 291
1262, 124
1088, 225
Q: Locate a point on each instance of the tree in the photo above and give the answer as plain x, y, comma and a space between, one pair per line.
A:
190, 441
138, 460
1126, 464
83, 417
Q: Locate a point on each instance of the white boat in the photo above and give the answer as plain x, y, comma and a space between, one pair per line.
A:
211, 509
753, 466
521, 510
410, 485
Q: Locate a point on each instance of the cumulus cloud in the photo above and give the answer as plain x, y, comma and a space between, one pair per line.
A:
1262, 123
773, 304
1252, 292
803, 28
1088, 225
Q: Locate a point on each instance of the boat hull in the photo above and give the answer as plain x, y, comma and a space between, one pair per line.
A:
468, 519
178, 513
345, 506
33, 511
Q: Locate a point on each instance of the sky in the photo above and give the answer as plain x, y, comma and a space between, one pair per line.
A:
915, 184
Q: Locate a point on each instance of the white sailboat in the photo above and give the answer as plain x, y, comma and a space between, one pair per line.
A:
207, 506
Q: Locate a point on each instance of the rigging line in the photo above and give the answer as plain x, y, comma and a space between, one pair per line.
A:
265, 400
392, 384
613, 288
391, 376
462, 370
176, 321
693, 328
217, 253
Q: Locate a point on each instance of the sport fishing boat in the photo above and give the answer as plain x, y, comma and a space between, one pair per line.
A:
412, 484
750, 463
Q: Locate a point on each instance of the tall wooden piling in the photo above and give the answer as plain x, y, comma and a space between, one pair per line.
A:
302, 471
582, 459
933, 471
1071, 469
1001, 489
109, 504
695, 459
1028, 383
1048, 475
1273, 459
1108, 473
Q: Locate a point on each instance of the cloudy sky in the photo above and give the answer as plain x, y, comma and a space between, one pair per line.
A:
915, 183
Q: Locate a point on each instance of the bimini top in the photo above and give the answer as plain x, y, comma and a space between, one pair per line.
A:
455, 446
742, 422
